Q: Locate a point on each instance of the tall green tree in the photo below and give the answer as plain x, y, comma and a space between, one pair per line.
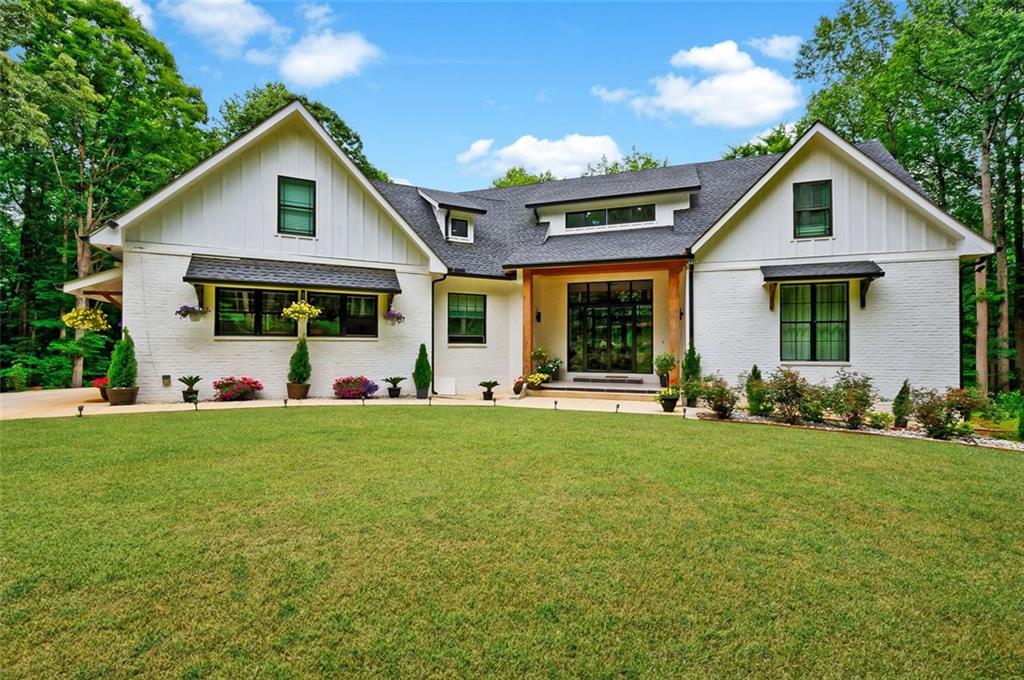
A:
242, 112
634, 160
779, 139
518, 176
111, 121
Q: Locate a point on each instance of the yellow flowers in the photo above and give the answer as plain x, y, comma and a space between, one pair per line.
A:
300, 310
535, 380
86, 319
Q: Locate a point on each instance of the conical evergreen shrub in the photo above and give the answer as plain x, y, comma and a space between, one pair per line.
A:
299, 368
123, 368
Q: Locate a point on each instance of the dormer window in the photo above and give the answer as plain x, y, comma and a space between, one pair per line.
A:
460, 229
296, 206
632, 214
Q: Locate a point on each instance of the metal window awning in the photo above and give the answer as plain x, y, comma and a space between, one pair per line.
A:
864, 271
203, 269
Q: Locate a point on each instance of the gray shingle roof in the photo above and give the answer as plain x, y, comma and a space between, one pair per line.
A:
254, 272
508, 235
820, 270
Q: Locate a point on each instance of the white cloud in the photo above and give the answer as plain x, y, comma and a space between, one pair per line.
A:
777, 46
225, 25
477, 149
611, 96
141, 11
718, 58
316, 15
565, 157
400, 180
261, 57
322, 58
752, 97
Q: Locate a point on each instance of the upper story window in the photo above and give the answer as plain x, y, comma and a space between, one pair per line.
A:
610, 216
296, 206
812, 209
246, 311
458, 229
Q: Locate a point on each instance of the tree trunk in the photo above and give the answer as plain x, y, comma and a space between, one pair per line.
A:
83, 267
980, 275
1002, 275
1018, 256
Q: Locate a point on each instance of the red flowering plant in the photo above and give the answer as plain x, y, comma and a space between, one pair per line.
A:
101, 382
236, 389
354, 387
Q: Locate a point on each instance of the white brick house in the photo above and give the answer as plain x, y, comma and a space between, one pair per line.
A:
827, 256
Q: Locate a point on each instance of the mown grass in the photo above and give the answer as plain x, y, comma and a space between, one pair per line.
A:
410, 541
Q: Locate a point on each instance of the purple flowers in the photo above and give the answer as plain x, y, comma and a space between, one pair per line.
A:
185, 311
354, 387
394, 317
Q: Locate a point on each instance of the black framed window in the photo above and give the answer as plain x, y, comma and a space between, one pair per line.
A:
296, 206
343, 315
815, 321
467, 318
248, 311
610, 216
458, 228
812, 209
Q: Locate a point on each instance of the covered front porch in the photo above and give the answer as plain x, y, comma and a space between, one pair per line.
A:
605, 321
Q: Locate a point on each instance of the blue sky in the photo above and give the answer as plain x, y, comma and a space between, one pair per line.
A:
448, 95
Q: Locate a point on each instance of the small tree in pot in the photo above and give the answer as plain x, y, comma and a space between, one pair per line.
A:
422, 374
121, 389
489, 386
190, 394
668, 397
691, 376
299, 371
663, 365
394, 391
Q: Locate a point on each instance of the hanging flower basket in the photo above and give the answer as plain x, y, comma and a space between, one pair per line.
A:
393, 317
300, 310
190, 312
86, 319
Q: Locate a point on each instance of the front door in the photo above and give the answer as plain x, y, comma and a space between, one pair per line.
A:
611, 327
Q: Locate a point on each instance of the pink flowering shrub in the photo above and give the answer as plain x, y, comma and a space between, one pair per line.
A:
235, 389
354, 387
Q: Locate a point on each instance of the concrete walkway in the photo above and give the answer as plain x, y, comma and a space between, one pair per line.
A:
64, 403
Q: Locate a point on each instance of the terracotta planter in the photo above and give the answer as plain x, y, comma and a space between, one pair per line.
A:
298, 390
190, 396
122, 396
103, 393
669, 405
421, 392
394, 392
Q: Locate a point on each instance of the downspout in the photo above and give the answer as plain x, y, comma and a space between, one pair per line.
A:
433, 334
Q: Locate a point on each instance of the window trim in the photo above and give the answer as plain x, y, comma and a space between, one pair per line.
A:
281, 179
606, 224
814, 323
257, 313
343, 302
796, 210
465, 339
468, 238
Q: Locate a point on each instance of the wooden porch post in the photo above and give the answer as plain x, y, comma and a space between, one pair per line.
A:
675, 309
527, 321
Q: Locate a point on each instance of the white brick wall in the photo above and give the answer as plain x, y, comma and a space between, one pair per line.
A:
168, 345
909, 329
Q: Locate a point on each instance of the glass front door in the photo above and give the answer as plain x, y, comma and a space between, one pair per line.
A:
611, 327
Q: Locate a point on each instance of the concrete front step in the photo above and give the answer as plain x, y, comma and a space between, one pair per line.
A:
562, 393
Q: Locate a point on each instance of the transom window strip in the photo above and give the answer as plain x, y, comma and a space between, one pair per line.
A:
610, 216
815, 321
296, 210
467, 318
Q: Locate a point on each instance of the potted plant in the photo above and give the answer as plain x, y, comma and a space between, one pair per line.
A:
394, 391
691, 377
535, 380
393, 317
539, 357
237, 389
668, 397
299, 371
663, 366
517, 386
121, 387
422, 374
489, 386
356, 387
190, 394
101, 384
190, 312
551, 368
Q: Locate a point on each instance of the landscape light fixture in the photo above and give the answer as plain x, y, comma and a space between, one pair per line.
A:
81, 407
286, 402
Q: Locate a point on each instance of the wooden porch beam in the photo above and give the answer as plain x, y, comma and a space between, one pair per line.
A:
608, 268
675, 313
527, 321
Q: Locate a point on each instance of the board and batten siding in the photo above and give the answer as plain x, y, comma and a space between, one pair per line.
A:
233, 210
866, 218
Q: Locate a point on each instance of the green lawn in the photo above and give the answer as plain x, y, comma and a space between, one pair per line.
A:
409, 541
